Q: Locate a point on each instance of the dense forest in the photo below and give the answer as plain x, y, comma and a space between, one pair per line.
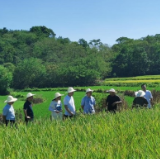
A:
37, 58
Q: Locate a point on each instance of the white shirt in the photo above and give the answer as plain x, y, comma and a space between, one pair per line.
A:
148, 97
69, 102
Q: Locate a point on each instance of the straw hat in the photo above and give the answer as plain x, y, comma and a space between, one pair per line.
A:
112, 90
10, 99
57, 95
30, 95
140, 93
89, 90
70, 90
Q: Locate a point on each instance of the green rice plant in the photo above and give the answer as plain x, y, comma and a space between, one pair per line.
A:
130, 134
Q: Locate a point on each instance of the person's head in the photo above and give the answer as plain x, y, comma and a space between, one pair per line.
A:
89, 92
10, 100
143, 86
57, 96
30, 97
71, 94
70, 91
10, 103
112, 92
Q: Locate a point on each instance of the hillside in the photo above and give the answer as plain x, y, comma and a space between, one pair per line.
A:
37, 58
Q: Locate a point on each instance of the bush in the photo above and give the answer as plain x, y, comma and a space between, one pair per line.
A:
5, 80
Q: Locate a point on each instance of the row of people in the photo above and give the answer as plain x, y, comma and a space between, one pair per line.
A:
143, 98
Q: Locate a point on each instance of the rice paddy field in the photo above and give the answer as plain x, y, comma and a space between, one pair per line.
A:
132, 134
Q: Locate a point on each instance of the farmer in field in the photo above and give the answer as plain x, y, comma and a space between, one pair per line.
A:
88, 103
28, 111
56, 107
140, 100
148, 95
69, 105
8, 111
112, 101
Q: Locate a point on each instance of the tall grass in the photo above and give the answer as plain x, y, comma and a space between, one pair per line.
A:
129, 134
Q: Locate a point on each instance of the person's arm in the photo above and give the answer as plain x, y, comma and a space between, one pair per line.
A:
118, 102
52, 110
25, 110
82, 104
66, 107
25, 114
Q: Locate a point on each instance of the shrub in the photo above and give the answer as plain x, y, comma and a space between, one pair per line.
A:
5, 80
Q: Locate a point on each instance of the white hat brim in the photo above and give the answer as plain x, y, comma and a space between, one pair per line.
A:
111, 91
71, 91
31, 95
13, 100
59, 96
89, 91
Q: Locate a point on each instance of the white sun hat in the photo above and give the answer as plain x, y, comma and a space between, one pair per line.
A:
58, 95
10, 99
111, 90
140, 93
70, 90
89, 90
30, 95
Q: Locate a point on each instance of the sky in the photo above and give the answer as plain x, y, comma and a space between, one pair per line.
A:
106, 20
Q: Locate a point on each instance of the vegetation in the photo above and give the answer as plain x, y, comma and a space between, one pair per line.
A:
37, 58
129, 134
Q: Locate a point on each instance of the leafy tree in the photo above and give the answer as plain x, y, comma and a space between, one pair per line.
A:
5, 79
29, 73
42, 31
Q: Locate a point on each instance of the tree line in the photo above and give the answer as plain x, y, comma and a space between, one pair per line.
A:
37, 58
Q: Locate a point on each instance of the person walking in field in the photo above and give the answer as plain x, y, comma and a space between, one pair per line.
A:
28, 111
148, 96
88, 103
56, 107
8, 111
112, 101
140, 100
69, 104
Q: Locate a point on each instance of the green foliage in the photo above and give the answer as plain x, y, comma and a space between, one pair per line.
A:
29, 73
67, 63
5, 79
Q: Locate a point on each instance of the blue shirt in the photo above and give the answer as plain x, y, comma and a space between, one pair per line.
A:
8, 111
88, 103
55, 106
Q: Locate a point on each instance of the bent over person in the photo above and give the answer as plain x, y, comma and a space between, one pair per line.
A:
140, 100
28, 111
112, 101
8, 111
